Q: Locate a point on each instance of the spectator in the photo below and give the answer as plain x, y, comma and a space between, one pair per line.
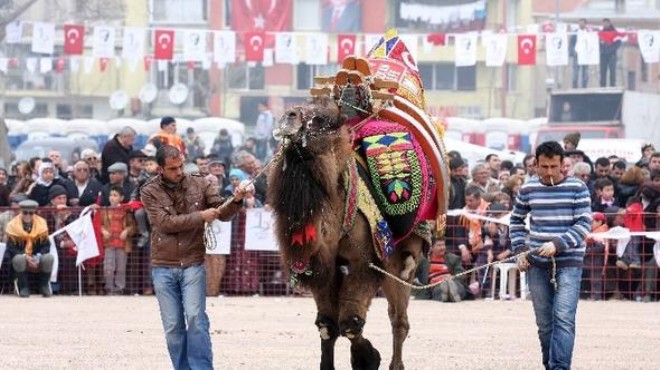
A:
83, 190
482, 180
654, 162
203, 165
458, 183
118, 172
578, 70
609, 45
136, 167
495, 242
582, 171
222, 146
24, 179
494, 164
503, 176
512, 186
647, 151
629, 185
29, 249
567, 114
58, 217
8, 215
47, 178
4, 188
518, 170
263, 130
193, 143
118, 227
506, 165
167, 135
618, 168
58, 163
474, 204
92, 159
217, 168
604, 191
594, 259
249, 146
235, 177
602, 168
117, 150
441, 266
567, 167
530, 166
249, 164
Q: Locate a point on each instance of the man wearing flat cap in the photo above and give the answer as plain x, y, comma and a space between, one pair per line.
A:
118, 173
136, 167
28, 248
218, 168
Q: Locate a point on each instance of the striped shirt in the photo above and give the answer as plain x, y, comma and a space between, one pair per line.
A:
560, 213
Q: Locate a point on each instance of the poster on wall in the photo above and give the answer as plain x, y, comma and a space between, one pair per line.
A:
341, 15
440, 15
259, 230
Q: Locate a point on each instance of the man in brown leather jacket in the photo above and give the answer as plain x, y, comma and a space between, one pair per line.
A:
178, 205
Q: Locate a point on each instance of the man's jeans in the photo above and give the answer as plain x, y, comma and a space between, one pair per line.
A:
555, 313
580, 70
182, 291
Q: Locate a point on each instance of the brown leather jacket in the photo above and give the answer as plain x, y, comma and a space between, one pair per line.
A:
177, 224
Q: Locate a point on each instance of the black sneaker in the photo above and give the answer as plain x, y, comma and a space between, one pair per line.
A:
46, 291
24, 293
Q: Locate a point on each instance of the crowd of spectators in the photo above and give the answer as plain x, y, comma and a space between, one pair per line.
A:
109, 183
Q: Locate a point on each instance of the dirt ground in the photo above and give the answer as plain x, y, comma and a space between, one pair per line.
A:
278, 333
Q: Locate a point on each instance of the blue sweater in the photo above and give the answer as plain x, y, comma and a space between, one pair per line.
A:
560, 213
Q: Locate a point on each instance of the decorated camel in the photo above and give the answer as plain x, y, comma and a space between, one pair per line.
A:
360, 180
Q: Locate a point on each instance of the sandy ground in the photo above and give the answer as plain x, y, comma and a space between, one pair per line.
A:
278, 333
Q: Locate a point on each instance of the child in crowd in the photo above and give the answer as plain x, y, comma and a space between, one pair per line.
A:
604, 189
117, 231
594, 259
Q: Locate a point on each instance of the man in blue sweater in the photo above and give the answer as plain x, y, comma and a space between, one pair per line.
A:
560, 218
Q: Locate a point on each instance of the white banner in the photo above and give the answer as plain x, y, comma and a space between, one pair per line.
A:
43, 38
194, 45
4, 65
649, 45
13, 32
104, 42
133, 43
286, 48
31, 64
465, 49
259, 230
222, 232
556, 49
496, 48
587, 48
224, 47
74, 64
45, 65
88, 64
316, 49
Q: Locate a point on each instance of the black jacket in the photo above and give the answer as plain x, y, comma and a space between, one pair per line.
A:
89, 195
113, 152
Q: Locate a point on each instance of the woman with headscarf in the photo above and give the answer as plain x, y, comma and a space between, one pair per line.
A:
46, 179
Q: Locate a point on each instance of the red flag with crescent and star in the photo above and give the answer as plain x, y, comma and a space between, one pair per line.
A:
261, 15
163, 44
345, 46
526, 50
74, 39
254, 46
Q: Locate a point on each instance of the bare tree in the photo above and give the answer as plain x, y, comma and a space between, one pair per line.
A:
12, 13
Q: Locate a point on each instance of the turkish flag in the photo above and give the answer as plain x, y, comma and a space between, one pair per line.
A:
437, 39
526, 50
610, 37
254, 46
261, 15
163, 44
74, 39
345, 46
103, 64
147, 63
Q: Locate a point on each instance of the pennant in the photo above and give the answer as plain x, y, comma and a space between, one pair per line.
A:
316, 49
269, 58
31, 64
254, 46
132, 64
163, 44
649, 45
88, 63
526, 50
206, 62
74, 64
556, 49
13, 32
465, 50
45, 65
60, 63
74, 39
587, 48
43, 38
286, 48
436, 39
132, 47
412, 44
496, 48
224, 47
147, 63
4, 65
104, 42
103, 64
118, 62
194, 45
345, 46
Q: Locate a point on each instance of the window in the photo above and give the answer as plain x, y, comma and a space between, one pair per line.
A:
305, 74
447, 77
512, 15
245, 77
307, 15
511, 77
644, 71
178, 11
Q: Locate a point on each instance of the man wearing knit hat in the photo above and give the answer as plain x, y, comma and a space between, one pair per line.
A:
571, 141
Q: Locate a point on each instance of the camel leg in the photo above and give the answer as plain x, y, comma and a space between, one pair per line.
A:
398, 295
326, 322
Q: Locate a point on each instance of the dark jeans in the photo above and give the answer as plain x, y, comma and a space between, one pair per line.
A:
555, 313
607, 62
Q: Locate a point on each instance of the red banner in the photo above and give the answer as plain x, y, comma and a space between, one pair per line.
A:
345, 46
147, 63
526, 50
254, 46
74, 39
437, 39
163, 44
261, 15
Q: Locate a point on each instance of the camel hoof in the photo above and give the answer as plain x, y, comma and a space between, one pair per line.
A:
352, 327
327, 328
408, 268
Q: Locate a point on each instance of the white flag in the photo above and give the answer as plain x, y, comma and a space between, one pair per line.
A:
224, 47
286, 48
556, 49
268, 58
496, 47
4, 65
162, 65
587, 47
74, 64
81, 232
465, 50
13, 32
45, 65
88, 64
206, 62
649, 45
43, 38
31, 64
104, 42
316, 50
133, 43
194, 45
